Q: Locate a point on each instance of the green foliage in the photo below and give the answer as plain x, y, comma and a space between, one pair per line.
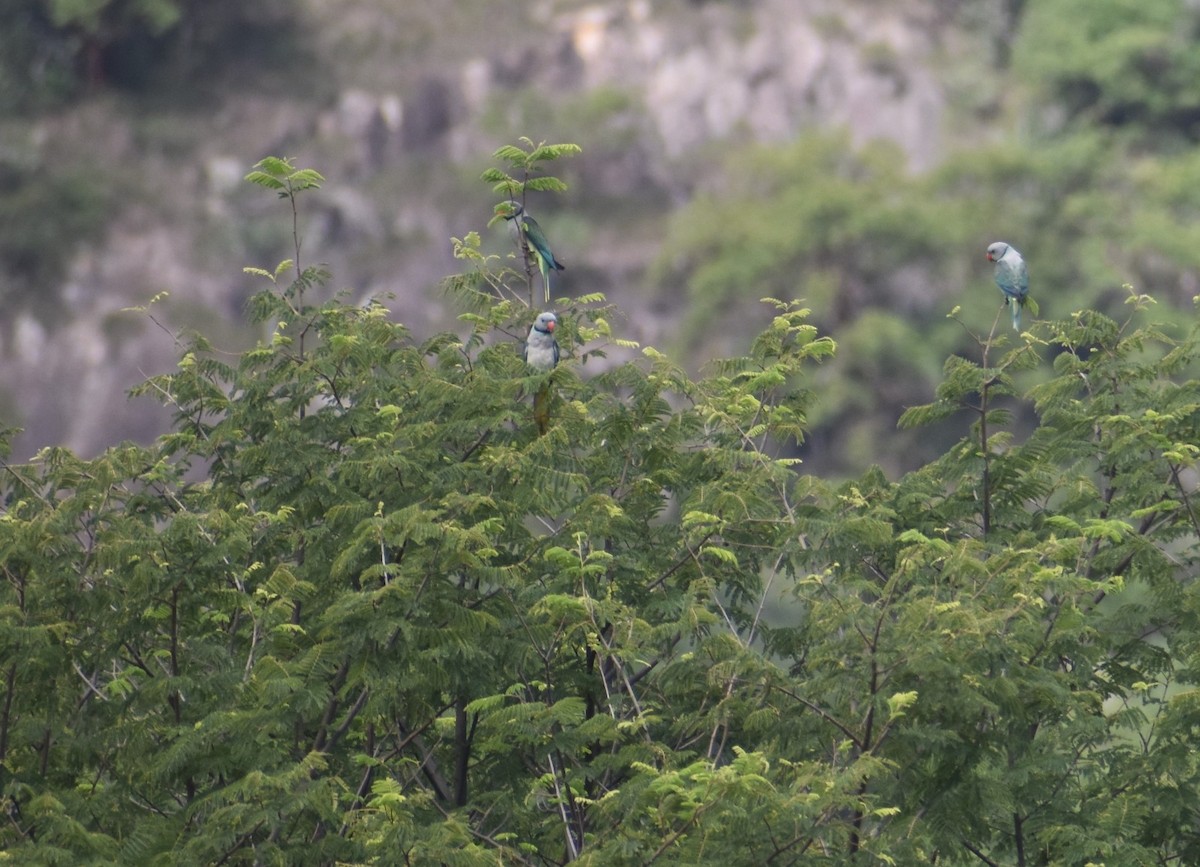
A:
815, 216
522, 176
845, 230
93, 17
354, 609
524, 167
278, 174
286, 181
1121, 63
880, 255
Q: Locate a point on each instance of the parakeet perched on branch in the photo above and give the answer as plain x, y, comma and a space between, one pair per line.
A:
1012, 277
535, 240
541, 353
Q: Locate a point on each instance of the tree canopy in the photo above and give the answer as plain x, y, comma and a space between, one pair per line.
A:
352, 608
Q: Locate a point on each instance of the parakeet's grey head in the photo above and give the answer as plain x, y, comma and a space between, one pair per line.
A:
515, 209
997, 250
546, 322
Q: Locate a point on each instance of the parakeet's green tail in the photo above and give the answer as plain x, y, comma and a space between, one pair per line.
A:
1015, 305
545, 277
541, 409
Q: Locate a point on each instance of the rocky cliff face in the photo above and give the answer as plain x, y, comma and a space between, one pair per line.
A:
767, 70
645, 88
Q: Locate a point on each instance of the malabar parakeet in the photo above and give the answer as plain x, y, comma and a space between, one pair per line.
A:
535, 240
541, 353
1012, 277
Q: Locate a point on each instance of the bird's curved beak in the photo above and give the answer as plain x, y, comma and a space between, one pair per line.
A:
551, 325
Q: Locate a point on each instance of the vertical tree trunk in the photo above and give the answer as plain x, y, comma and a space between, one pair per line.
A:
462, 752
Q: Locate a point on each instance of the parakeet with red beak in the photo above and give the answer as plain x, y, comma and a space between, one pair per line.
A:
541, 349
1012, 277
541, 353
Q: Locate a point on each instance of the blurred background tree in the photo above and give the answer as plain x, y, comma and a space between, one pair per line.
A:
55, 51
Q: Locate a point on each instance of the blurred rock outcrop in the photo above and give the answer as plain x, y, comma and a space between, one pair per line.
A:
399, 145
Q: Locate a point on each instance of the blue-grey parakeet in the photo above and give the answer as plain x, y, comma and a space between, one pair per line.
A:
535, 240
541, 353
1012, 277
541, 349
